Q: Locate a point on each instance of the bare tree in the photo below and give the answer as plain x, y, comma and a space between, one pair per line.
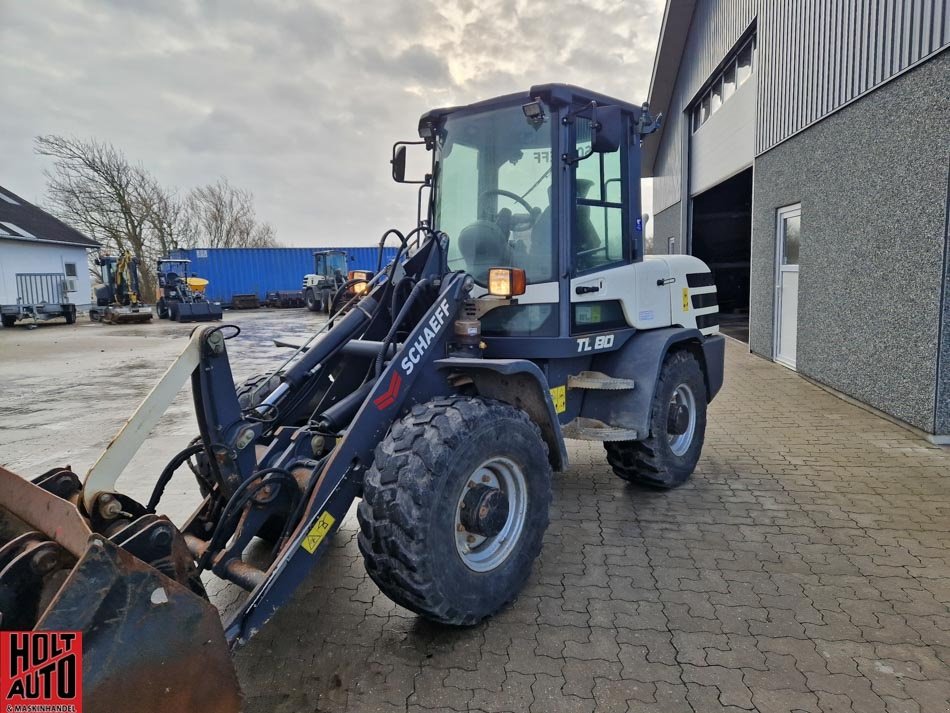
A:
93, 186
223, 216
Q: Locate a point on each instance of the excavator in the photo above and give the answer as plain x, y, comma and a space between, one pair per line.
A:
117, 299
520, 311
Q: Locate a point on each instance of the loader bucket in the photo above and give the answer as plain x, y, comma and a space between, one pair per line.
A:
148, 642
195, 311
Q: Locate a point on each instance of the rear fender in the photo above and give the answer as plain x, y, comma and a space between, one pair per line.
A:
517, 382
641, 359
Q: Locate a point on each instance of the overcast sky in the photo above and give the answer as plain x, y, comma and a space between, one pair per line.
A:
299, 102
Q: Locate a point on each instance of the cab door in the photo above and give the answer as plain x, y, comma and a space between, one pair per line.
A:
600, 244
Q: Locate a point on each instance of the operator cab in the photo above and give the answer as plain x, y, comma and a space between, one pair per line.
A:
330, 264
546, 181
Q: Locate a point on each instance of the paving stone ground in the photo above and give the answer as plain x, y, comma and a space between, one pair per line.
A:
805, 567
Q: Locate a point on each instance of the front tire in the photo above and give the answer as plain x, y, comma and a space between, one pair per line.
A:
455, 507
668, 456
313, 304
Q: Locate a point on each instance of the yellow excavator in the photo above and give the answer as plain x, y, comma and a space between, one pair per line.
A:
117, 299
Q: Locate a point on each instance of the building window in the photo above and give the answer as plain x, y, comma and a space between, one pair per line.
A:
70, 269
737, 70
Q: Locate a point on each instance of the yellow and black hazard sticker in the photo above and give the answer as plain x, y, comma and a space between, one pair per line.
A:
559, 397
686, 299
319, 530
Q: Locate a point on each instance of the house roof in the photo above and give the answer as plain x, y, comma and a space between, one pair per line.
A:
21, 220
669, 50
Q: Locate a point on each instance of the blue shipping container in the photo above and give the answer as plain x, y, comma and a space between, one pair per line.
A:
244, 271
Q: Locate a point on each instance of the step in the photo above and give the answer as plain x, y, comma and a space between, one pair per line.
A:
599, 381
590, 429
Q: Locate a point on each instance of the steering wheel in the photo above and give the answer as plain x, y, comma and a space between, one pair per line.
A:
506, 220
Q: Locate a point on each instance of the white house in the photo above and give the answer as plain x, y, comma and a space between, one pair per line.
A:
33, 241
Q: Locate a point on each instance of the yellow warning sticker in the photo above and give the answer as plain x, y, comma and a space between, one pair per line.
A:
559, 397
319, 530
686, 299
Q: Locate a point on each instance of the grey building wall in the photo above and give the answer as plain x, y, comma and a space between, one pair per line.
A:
814, 56
942, 414
666, 225
873, 189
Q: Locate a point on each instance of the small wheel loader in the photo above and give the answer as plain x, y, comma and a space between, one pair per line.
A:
519, 312
178, 298
118, 299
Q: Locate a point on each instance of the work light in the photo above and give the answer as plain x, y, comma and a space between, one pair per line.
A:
533, 111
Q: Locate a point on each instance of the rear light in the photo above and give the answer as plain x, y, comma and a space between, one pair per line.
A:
506, 281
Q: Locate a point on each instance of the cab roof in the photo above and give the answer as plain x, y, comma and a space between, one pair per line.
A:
552, 94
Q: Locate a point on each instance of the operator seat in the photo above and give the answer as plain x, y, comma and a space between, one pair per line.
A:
483, 245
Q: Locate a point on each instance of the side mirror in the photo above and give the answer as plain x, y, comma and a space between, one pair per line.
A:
607, 129
399, 163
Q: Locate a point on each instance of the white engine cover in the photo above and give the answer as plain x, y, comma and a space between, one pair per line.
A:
654, 293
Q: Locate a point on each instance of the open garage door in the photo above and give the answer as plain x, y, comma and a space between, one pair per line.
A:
722, 238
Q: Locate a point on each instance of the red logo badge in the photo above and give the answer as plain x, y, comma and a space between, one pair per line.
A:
387, 399
40, 671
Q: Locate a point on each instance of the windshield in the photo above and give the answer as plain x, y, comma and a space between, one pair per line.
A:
336, 262
493, 192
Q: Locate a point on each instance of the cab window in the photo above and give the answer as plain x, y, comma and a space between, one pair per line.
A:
598, 217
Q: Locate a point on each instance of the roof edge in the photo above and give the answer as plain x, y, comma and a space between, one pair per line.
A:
674, 30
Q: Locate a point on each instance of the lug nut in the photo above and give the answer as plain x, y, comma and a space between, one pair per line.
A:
470, 539
485, 479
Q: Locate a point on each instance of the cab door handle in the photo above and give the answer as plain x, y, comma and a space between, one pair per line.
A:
586, 289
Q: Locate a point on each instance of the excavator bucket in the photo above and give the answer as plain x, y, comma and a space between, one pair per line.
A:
146, 637
133, 314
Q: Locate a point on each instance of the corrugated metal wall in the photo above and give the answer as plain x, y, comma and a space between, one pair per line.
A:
817, 55
237, 271
717, 26
813, 57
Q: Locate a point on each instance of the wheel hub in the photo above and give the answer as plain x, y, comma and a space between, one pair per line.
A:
678, 420
490, 514
681, 421
484, 510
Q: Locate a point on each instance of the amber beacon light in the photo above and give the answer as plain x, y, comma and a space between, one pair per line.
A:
506, 281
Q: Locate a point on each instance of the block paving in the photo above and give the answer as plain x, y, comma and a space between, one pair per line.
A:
805, 567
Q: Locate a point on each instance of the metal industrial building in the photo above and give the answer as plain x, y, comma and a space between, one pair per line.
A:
804, 156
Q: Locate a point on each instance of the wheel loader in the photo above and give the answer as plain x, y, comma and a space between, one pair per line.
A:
181, 296
519, 312
331, 286
118, 298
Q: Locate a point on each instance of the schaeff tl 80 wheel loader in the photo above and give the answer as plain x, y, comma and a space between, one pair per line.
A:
520, 311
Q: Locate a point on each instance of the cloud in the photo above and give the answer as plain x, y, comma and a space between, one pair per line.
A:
297, 101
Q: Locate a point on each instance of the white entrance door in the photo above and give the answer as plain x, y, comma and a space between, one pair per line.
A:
788, 240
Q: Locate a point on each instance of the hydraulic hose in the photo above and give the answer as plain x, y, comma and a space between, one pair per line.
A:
407, 305
166, 475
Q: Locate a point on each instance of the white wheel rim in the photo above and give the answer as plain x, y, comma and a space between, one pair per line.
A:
483, 554
683, 396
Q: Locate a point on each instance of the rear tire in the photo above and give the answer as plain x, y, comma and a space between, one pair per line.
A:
414, 544
8, 320
667, 457
70, 315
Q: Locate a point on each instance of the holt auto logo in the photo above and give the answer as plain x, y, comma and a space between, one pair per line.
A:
40, 672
